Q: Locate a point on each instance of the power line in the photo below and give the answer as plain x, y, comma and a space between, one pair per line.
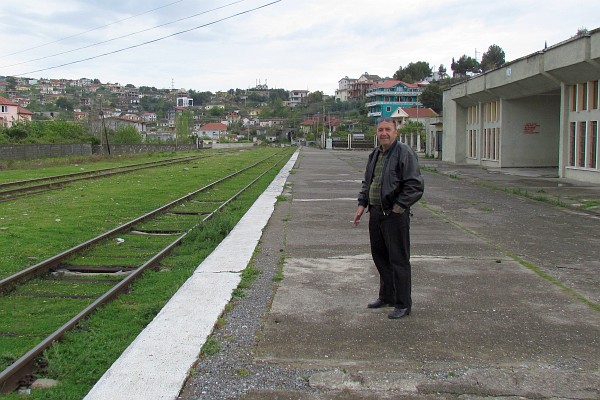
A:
90, 30
123, 36
154, 40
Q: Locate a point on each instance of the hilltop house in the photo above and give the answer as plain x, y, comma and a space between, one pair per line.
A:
213, 130
11, 113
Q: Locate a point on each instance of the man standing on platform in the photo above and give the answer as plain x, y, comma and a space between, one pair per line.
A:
392, 184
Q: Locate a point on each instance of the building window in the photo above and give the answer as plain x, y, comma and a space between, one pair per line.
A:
388, 109
491, 143
486, 143
582, 96
581, 144
592, 144
472, 143
472, 131
472, 115
497, 144
572, 144
4, 109
491, 111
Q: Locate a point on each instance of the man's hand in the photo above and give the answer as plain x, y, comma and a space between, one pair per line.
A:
359, 212
397, 209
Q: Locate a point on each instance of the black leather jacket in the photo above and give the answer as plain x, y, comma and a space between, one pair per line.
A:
401, 183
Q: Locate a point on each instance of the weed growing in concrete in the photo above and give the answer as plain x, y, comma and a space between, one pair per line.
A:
210, 348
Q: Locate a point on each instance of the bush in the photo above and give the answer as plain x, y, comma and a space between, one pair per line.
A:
126, 135
44, 132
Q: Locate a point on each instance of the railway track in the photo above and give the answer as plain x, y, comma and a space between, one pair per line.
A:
50, 298
17, 189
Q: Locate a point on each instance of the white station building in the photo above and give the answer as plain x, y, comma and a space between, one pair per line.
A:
541, 110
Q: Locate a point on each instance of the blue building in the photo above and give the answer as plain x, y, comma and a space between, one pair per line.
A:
386, 97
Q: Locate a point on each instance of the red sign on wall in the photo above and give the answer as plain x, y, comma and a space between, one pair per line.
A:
531, 128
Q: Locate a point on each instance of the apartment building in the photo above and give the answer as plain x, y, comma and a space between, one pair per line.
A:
297, 97
351, 88
386, 97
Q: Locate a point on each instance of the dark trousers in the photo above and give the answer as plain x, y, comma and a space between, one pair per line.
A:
390, 248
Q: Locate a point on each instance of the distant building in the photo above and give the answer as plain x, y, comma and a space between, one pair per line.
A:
342, 93
185, 101
115, 123
11, 113
213, 130
297, 97
384, 98
424, 116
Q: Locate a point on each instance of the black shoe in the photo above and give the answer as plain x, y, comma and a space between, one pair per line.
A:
377, 304
399, 313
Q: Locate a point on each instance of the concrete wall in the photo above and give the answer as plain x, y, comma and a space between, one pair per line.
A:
32, 151
582, 175
119, 149
454, 139
530, 132
231, 145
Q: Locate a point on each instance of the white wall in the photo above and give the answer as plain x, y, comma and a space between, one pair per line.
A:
538, 115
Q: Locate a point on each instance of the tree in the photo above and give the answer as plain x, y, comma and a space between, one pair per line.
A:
184, 122
463, 65
314, 97
217, 112
200, 98
17, 132
64, 103
432, 96
126, 135
492, 58
411, 127
414, 72
442, 72
12, 82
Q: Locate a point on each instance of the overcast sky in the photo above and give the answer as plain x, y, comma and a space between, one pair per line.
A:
291, 44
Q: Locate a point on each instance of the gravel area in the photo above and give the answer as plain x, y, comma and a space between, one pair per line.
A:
233, 371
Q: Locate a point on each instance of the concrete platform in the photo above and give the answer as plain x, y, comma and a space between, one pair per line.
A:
506, 292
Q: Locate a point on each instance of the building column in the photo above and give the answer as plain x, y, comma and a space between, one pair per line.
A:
563, 136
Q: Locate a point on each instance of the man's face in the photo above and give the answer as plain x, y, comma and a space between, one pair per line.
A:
386, 133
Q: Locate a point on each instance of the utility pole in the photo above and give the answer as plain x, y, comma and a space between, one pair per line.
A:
105, 133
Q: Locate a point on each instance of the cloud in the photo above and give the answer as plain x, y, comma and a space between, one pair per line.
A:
308, 44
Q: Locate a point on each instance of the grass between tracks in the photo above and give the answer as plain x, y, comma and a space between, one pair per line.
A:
34, 228
84, 354
16, 170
